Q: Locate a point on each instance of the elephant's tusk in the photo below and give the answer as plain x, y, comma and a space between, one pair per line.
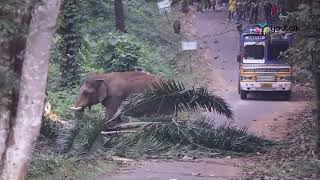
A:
75, 108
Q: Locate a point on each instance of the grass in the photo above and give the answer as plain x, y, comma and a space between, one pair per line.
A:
48, 167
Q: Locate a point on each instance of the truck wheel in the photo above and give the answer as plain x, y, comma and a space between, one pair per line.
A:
243, 94
287, 95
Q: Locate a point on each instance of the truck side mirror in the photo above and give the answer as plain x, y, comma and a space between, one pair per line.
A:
238, 58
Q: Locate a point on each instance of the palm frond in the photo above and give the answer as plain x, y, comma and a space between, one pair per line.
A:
171, 96
65, 136
177, 136
81, 136
166, 136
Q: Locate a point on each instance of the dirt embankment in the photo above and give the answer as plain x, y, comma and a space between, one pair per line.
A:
294, 158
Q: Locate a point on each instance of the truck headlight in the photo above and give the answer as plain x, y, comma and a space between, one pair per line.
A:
247, 78
248, 70
285, 78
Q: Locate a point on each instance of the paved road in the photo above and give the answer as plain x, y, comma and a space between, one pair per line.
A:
201, 169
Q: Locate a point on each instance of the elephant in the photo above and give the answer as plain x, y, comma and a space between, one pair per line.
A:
110, 89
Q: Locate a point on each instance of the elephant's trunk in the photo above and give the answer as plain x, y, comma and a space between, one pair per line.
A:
78, 106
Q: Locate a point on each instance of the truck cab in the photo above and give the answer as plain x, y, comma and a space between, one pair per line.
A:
262, 66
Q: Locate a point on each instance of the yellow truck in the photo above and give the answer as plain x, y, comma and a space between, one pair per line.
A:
262, 67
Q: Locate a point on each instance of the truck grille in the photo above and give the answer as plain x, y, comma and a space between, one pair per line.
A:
275, 70
266, 78
272, 70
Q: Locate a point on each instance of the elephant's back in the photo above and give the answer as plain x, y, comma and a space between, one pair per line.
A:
135, 77
131, 82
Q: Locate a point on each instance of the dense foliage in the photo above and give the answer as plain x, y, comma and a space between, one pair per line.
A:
115, 52
14, 24
103, 50
306, 52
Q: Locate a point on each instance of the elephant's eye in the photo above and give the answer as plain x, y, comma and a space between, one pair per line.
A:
85, 93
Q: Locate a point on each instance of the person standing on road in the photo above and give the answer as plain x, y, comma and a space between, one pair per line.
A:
203, 5
247, 6
267, 6
274, 13
254, 12
224, 2
213, 4
232, 8
240, 11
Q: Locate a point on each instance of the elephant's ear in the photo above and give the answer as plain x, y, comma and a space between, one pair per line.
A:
102, 89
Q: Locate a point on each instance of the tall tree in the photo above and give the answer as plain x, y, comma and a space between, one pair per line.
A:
310, 47
23, 124
14, 23
306, 52
70, 32
118, 8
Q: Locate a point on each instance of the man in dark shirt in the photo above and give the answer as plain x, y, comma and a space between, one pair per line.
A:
267, 6
254, 12
240, 11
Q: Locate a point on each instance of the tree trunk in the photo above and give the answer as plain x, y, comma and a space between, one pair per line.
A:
70, 32
118, 8
24, 131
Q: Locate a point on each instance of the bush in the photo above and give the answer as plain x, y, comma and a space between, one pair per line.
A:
120, 52
114, 52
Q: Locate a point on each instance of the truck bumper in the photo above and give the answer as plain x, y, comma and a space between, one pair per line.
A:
265, 86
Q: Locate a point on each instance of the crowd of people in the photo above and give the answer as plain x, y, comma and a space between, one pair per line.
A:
243, 10
240, 10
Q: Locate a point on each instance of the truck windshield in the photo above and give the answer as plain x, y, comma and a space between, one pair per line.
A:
254, 52
276, 51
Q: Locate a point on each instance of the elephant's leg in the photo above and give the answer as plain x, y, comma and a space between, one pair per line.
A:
111, 109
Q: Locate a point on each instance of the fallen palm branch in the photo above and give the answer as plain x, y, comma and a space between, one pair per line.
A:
131, 125
170, 96
173, 137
